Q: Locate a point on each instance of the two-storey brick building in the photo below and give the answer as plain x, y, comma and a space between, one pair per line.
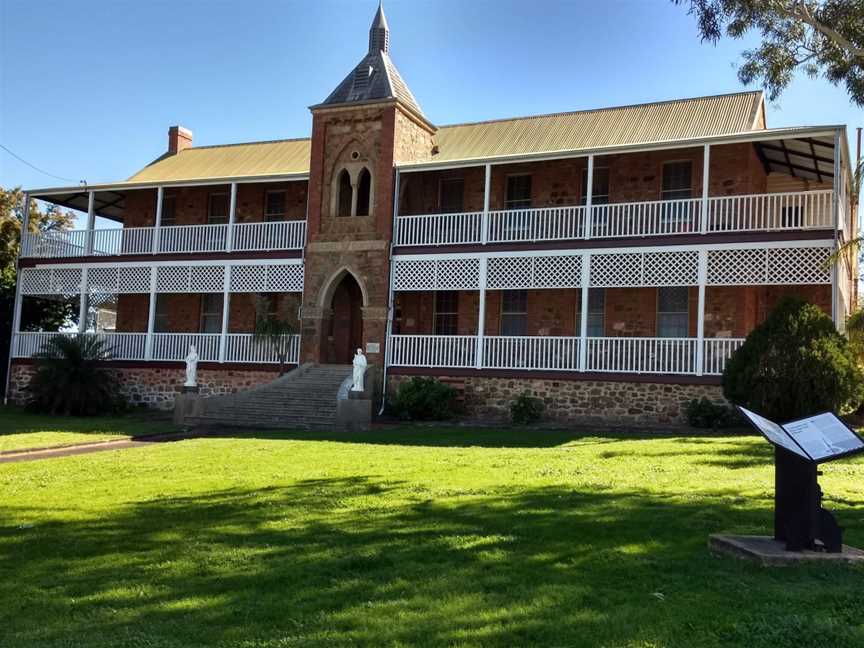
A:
609, 260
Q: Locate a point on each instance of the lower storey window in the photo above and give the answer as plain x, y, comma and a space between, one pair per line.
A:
211, 313
673, 311
446, 312
514, 312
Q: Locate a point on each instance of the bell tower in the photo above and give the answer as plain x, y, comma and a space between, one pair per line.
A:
370, 123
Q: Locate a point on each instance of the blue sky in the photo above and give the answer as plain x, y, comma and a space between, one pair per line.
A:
88, 90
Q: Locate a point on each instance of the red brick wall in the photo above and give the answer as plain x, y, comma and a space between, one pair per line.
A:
730, 311
192, 203
734, 169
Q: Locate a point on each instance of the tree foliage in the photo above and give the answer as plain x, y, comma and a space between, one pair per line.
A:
819, 37
794, 364
36, 313
69, 379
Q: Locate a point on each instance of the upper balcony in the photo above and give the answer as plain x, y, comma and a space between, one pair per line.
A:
766, 187
171, 220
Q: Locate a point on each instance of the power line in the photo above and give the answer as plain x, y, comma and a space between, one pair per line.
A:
35, 168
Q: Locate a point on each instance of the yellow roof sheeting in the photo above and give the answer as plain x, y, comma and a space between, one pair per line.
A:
572, 131
606, 127
279, 157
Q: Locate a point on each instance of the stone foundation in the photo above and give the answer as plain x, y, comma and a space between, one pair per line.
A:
156, 387
580, 401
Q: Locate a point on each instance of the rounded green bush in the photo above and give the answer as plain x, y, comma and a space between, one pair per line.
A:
424, 399
526, 409
794, 364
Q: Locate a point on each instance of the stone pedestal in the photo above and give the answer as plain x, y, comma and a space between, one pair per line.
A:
187, 404
770, 552
353, 408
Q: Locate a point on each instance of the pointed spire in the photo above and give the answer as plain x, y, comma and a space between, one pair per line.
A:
379, 32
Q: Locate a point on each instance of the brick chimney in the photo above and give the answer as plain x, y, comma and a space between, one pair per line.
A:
179, 138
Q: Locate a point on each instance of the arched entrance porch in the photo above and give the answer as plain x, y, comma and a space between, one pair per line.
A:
344, 330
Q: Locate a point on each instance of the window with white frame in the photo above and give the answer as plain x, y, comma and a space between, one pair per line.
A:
274, 205
446, 312
600, 188
211, 313
217, 209
518, 194
161, 322
673, 312
514, 312
451, 196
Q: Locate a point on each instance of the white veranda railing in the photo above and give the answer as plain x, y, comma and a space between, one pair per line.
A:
240, 347
175, 239
602, 354
755, 212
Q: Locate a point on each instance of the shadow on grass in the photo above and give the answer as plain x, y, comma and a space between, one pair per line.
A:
461, 436
368, 561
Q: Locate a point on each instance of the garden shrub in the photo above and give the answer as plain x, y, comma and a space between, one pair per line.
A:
526, 409
424, 399
794, 364
68, 379
704, 413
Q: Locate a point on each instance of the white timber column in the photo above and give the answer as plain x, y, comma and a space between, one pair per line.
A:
589, 195
232, 212
487, 193
706, 164
226, 305
83, 302
700, 315
151, 315
481, 312
91, 222
585, 282
158, 220
16, 310
835, 217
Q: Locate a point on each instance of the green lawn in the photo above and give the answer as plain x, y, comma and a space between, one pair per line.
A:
19, 429
414, 536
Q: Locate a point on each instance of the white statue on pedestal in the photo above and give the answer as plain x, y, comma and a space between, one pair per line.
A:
359, 370
191, 367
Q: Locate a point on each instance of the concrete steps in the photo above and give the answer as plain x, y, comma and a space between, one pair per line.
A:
304, 398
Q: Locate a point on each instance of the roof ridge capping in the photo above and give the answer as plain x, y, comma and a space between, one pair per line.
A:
562, 113
271, 141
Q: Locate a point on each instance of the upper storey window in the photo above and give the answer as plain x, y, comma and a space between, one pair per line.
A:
274, 206
677, 181
364, 192
169, 211
352, 192
518, 192
345, 194
451, 194
217, 209
599, 189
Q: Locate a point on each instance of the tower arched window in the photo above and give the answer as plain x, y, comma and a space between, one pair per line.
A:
345, 190
364, 192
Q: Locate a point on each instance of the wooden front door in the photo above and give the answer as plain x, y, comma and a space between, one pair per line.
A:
346, 323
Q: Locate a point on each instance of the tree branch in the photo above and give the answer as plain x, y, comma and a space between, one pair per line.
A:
801, 11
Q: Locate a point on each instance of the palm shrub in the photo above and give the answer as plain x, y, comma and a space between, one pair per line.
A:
276, 334
794, 364
69, 381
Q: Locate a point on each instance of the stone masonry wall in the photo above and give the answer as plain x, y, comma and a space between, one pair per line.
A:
580, 401
156, 387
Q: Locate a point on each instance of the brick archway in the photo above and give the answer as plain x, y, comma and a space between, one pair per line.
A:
344, 328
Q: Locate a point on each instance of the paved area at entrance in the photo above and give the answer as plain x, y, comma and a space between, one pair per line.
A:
767, 551
88, 448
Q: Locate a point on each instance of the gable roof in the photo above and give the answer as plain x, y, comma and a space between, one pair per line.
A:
600, 128
276, 158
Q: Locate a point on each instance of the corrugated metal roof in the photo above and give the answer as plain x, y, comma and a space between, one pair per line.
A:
590, 129
278, 157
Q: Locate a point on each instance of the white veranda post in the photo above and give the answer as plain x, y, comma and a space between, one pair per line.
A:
589, 195
583, 313
158, 219
232, 211
702, 278
706, 164
226, 306
481, 311
91, 222
487, 192
151, 315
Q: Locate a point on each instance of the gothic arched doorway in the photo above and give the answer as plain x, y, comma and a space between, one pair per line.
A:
345, 333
